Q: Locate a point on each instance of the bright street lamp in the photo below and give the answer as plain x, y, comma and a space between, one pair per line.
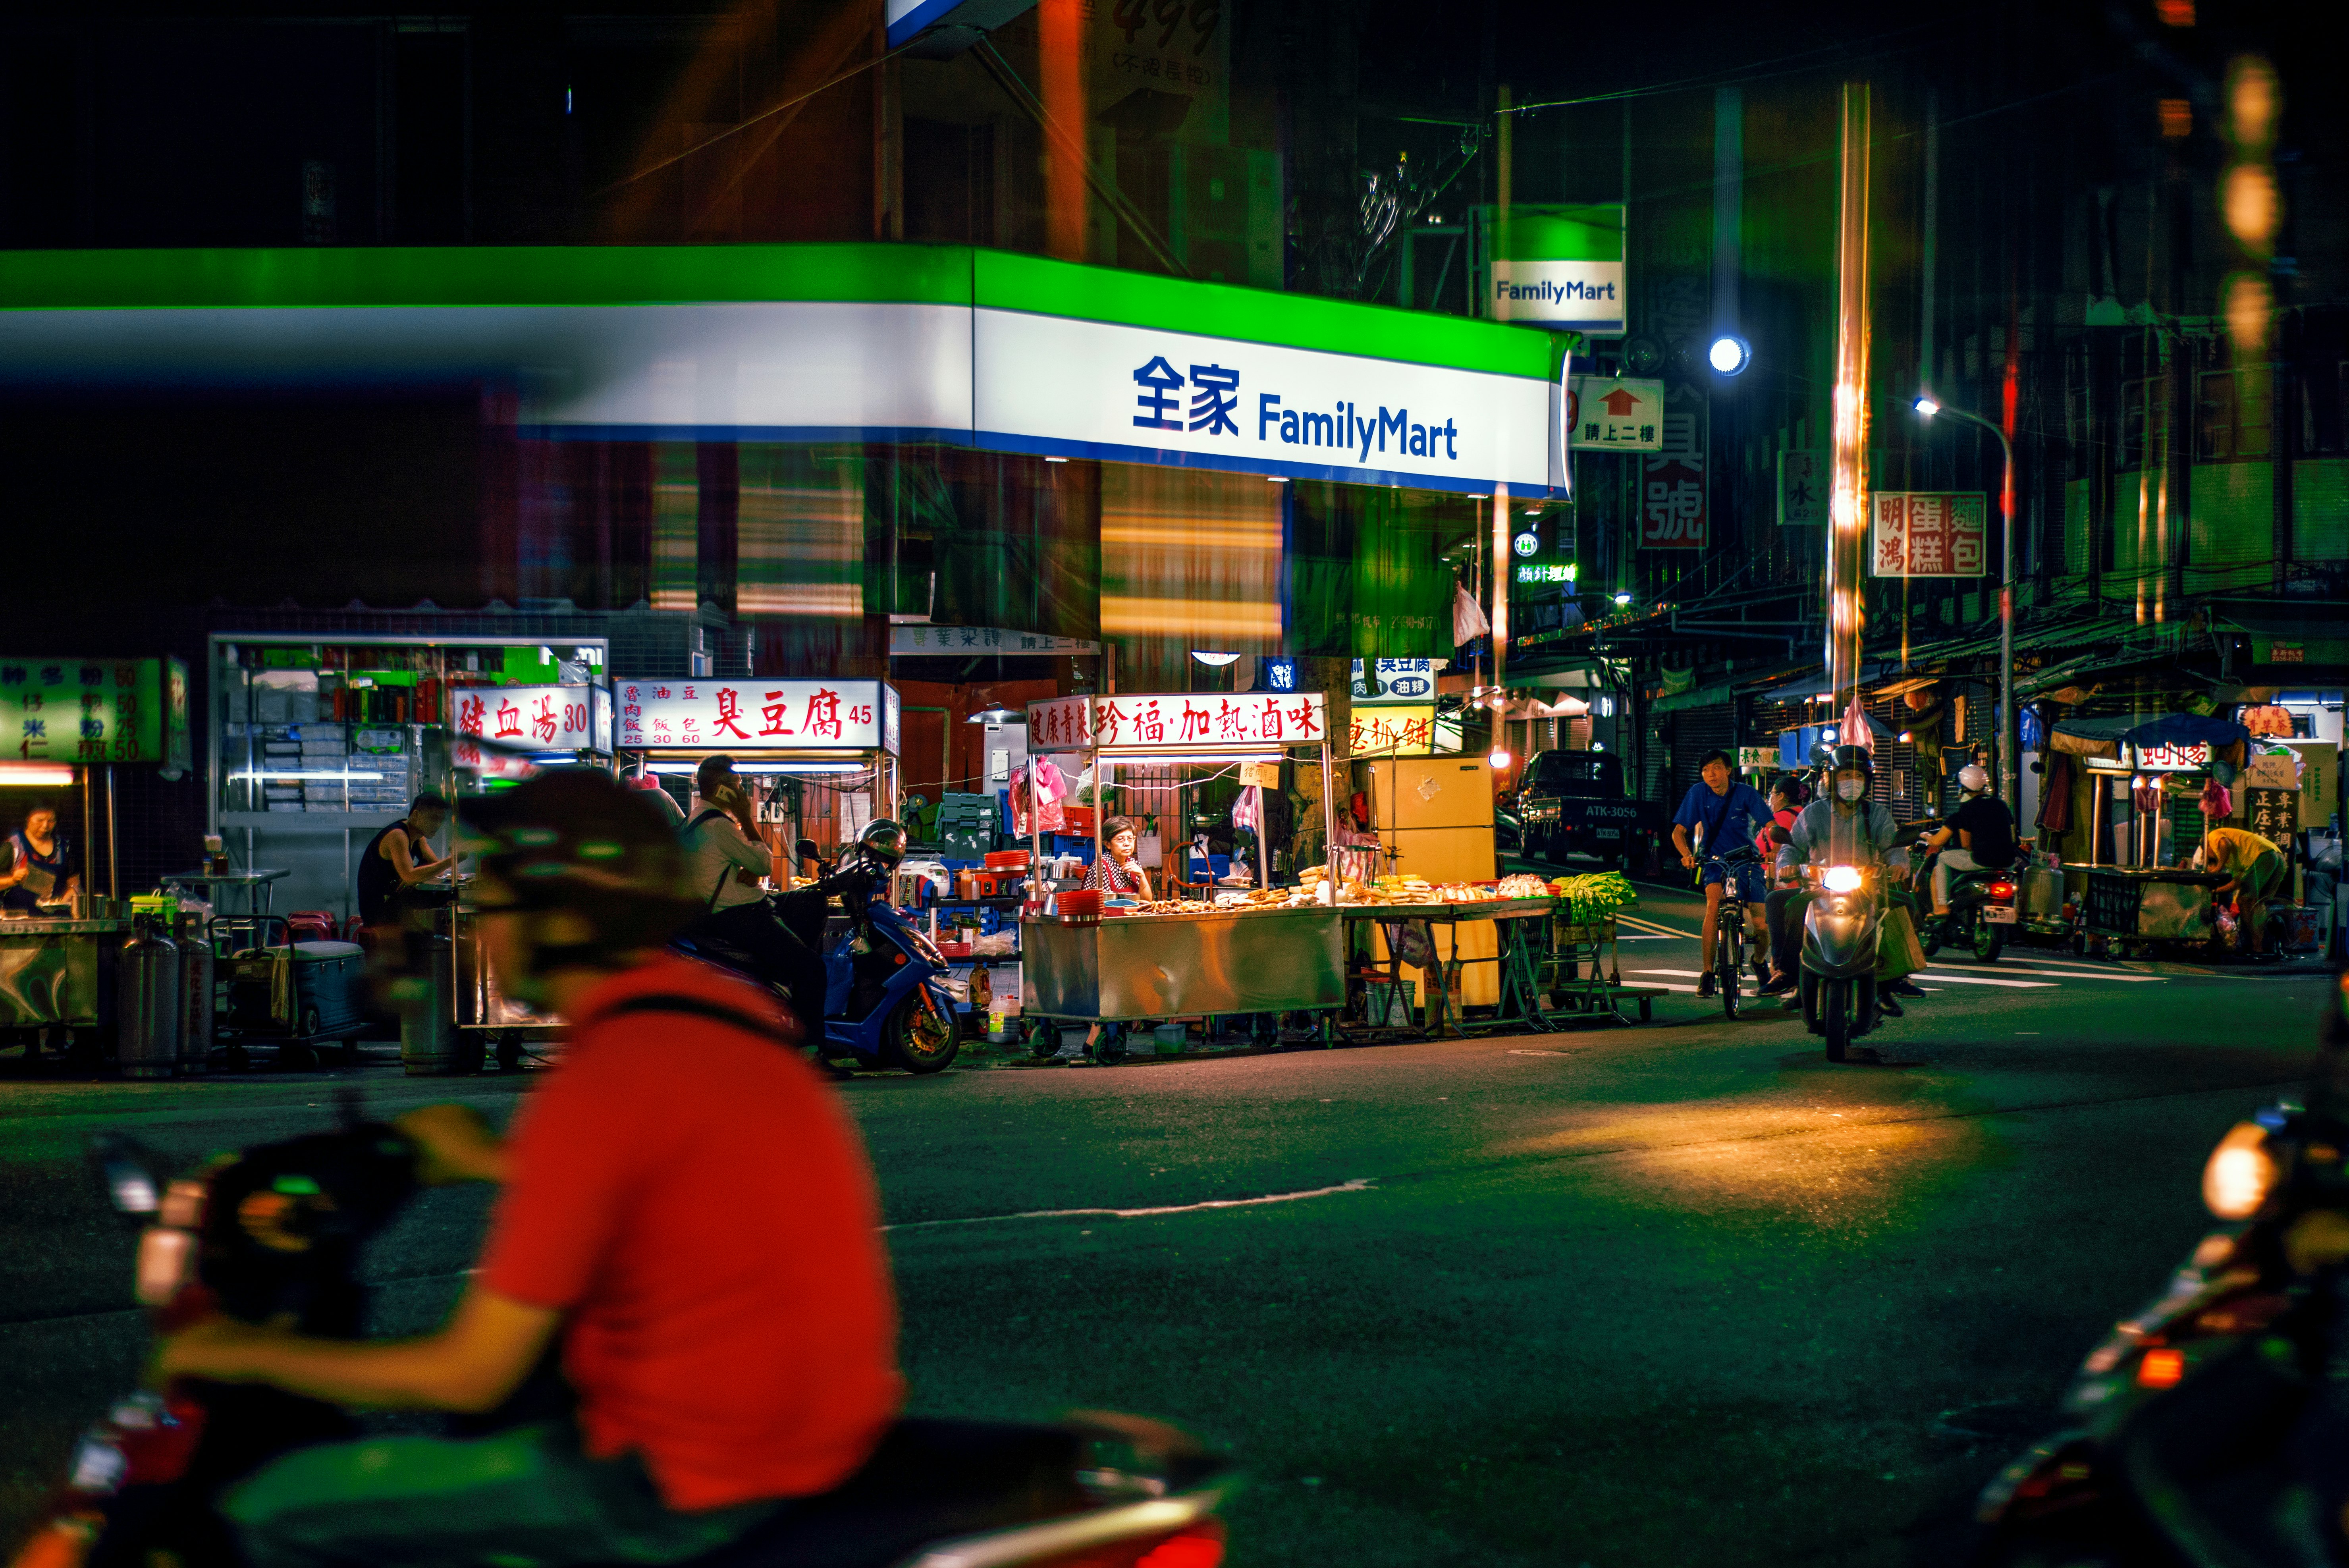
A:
1927, 407
1729, 355
1622, 598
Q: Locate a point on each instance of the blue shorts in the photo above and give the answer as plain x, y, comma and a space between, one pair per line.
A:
1751, 885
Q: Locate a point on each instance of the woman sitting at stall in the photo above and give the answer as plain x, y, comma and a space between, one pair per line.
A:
1116, 872
40, 867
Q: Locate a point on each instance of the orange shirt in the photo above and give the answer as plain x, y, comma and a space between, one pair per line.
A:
696, 1202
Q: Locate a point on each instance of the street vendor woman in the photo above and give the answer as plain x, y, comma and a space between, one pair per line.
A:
41, 868
1117, 871
398, 858
2254, 868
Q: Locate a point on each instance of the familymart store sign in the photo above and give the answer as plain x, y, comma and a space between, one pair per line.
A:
822, 343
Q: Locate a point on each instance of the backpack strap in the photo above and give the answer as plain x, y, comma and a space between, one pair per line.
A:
696, 1008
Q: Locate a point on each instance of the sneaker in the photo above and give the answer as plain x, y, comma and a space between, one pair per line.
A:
1777, 984
1704, 985
1793, 1000
1888, 1007
1906, 988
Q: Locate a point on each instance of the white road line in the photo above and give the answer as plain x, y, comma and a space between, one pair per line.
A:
1358, 1184
2072, 975
1947, 979
1659, 928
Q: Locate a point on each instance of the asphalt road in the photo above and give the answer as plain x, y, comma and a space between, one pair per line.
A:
1633, 1295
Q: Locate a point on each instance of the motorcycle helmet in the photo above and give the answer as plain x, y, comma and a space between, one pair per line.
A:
883, 843
1850, 757
1972, 779
581, 841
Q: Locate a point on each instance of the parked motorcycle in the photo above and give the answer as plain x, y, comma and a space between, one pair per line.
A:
1102, 1489
1841, 926
885, 1001
1983, 911
2175, 1446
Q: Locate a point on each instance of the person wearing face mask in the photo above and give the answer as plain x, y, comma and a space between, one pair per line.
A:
1845, 828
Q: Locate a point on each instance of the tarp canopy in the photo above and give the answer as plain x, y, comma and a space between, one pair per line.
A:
2104, 737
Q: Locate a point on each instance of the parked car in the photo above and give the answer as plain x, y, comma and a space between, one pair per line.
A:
1576, 802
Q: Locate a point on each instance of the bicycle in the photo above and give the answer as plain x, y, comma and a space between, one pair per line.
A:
1730, 937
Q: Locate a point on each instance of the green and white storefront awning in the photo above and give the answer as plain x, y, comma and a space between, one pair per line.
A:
821, 343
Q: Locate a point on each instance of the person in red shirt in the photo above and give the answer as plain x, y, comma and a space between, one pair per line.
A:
686, 1211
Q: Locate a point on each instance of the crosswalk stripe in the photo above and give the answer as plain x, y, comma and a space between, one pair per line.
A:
1947, 979
2072, 974
1639, 923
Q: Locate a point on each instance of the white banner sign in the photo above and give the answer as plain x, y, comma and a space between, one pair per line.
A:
1087, 389
1586, 296
1395, 680
752, 715
1616, 414
1178, 722
558, 718
931, 640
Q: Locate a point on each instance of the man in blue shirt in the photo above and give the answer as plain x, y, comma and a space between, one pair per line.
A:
1726, 816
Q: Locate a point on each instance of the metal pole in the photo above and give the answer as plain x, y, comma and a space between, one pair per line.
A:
2009, 722
113, 848
1329, 827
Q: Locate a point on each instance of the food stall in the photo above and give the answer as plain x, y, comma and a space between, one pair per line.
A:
1265, 950
2138, 771
69, 724
320, 742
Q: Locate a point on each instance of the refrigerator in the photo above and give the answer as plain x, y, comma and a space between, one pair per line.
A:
1436, 814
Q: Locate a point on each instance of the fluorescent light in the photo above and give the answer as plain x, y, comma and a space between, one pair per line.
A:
1214, 661
686, 770
1151, 758
346, 774
33, 773
1056, 460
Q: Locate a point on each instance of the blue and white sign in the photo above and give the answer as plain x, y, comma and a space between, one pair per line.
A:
1065, 386
1395, 680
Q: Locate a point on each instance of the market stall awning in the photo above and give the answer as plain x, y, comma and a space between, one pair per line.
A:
2105, 736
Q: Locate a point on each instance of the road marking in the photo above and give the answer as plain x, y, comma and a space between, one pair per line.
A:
1949, 979
2072, 974
1745, 984
1641, 922
1358, 1184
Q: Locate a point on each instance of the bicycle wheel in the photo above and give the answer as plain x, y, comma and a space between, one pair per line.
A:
1727, 951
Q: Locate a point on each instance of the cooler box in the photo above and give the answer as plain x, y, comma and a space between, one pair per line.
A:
313, 988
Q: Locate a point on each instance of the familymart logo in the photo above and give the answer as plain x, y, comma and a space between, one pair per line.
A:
1207, 400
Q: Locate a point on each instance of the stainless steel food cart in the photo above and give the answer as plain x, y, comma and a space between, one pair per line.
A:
1214, 963
52, 971
2129, 911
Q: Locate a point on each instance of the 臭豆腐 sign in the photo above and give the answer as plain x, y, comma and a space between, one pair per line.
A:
763, 716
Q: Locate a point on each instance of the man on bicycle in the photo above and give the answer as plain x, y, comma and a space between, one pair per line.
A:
1728, 814
686, 1213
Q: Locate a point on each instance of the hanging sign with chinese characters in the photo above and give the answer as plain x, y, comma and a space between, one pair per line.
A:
1395, 680
1178, 722
552, 717
927, 639
1615, 414
1924, 533
1672, 481
1402, 730
2169, 759
81, 710
776, 715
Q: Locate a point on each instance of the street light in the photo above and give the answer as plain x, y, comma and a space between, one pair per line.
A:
1729, 355
1927, 406
1622, 598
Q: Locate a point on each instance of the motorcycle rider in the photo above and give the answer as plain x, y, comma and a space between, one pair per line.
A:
1985, 829
1843, 826
728, 858
685, 1212
1730, 813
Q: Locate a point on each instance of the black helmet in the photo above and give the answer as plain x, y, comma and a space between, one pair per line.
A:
575, 838
882, 842
1848, 757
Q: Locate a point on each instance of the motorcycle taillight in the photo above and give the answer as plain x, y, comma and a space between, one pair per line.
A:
2002, 891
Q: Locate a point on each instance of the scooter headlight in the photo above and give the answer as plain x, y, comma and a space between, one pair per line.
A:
2240, 1173
1842, 878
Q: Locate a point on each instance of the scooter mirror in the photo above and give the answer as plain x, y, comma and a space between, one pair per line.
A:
128, 1172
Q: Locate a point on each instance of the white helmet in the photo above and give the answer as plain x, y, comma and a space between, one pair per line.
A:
1972, 779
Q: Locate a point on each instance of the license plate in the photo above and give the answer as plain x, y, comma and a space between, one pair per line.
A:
1999, 914
1606, 832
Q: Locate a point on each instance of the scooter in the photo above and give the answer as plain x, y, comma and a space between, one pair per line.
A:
885, 1001
1102, 1489
1982, 916
2177, 1432
1837, 984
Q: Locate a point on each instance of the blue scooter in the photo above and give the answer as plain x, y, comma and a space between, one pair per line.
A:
885, 1001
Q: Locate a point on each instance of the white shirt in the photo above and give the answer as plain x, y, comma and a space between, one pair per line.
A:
714, 845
